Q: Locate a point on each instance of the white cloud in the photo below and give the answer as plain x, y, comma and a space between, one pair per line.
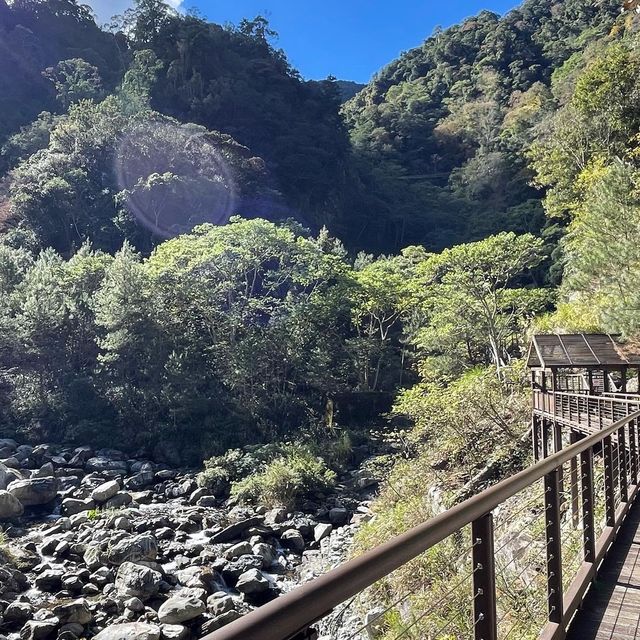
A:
106, 9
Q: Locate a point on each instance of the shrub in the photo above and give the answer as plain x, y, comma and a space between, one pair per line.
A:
290, 476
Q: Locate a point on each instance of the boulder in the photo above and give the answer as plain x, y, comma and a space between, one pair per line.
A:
5, 476
252, 581
138, 548
105, 491
102, 463
130, 631
49, 580
76, 612
237, 550
18, 612
338, 516
10, 506
137, 581
292, 539
33, 492
39, 629
233, 532
266, 552
180, 609
72, 506
139, 480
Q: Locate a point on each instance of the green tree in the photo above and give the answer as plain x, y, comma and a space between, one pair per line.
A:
474, 301
74, 80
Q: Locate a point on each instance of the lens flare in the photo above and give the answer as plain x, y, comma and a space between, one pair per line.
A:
172, 178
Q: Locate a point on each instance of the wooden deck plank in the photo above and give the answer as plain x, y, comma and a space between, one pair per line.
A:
611, 610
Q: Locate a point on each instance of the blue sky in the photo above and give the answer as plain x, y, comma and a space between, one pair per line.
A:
350, 39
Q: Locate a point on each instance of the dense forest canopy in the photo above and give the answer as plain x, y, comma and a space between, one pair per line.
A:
404, 237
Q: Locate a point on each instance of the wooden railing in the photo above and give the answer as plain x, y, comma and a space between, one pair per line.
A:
581, 493
583, 411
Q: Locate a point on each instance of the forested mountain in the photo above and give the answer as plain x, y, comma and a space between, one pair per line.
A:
202, 253
432, 151
128, 301
449, 123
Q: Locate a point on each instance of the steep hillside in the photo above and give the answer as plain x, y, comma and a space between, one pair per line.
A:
450, 120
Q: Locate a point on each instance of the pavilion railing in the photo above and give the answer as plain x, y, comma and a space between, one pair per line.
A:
515, 559
587, 412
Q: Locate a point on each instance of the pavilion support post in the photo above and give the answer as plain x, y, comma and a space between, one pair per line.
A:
592, 390
623, 380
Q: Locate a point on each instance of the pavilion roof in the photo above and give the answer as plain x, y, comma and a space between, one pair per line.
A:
581, 350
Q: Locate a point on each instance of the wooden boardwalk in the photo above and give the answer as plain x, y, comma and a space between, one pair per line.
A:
611, 610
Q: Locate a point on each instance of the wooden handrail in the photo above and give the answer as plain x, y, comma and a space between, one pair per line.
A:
288, 616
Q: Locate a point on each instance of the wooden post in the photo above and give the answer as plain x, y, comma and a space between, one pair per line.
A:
484, 579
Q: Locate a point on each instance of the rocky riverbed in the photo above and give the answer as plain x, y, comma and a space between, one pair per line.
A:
101, 544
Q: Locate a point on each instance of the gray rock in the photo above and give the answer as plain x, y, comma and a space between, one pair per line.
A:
237, 550
266, 552
134, 604
4, 476
180, 609
218, 605
234, 531
101, 463
94, 557
139, 480
105, 491
10, 506
130, 631
18, 612
34, 491
292, 539
321, 531
252, 581
49, 580
174, 632
121, 499
39, 629
137, 581
76, 612
133, 549
73, 506
338, 516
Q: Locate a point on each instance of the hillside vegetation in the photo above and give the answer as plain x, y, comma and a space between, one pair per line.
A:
200, 250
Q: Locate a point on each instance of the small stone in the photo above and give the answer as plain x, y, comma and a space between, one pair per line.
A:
173, 632
321, 531
130, 631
